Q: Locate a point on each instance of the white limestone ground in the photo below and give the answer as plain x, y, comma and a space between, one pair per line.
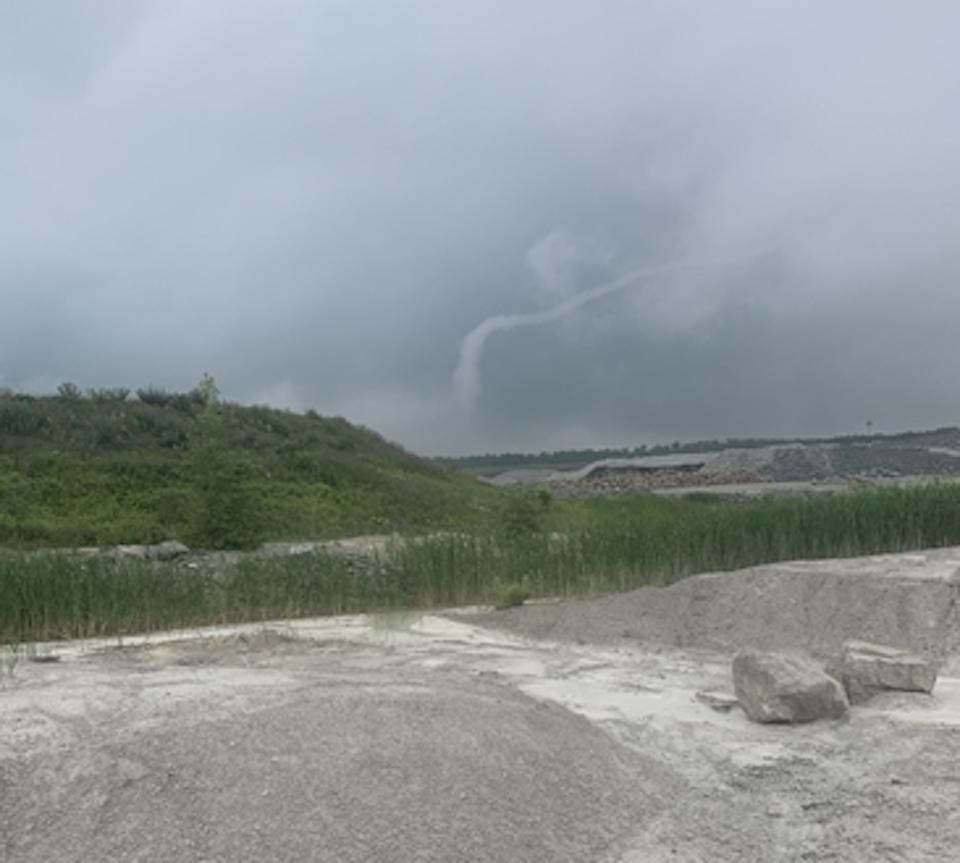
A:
563, 732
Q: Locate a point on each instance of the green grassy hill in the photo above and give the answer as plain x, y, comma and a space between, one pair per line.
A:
105, 468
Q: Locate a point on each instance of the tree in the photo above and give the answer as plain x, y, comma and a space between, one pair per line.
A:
207, 390
155, 396
69, 392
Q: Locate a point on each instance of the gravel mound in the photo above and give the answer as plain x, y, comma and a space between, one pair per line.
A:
809, 462
895, 461
908, 601
359, 767
786, 463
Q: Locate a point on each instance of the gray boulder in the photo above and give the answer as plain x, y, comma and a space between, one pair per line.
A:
164, 551
138, 551
169, 550
865, 669
786, 687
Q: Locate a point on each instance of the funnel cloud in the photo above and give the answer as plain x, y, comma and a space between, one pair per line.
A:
467, 379
315, 200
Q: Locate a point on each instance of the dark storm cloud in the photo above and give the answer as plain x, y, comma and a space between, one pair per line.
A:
318, 201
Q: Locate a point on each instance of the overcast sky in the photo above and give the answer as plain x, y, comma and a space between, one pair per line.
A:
685, 219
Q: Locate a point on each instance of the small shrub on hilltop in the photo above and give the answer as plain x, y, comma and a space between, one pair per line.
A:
154, 396
108, 394
187, 402
69, 392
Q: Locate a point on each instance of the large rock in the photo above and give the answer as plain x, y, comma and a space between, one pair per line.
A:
169, 550
786, 687
865, 669
138, 551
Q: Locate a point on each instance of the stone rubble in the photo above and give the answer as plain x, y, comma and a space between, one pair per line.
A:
791, 687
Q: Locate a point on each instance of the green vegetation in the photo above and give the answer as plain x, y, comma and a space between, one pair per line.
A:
511, 596
604, 545
101, 468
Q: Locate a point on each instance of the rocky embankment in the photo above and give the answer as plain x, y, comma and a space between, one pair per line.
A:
785, 464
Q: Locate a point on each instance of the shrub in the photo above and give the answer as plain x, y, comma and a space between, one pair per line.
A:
168, 429
69, 392
207, 390
526, 513
511, 596
21, 418
108, 394
187, 402
155, 396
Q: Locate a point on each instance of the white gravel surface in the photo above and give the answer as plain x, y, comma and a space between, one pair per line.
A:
425, 738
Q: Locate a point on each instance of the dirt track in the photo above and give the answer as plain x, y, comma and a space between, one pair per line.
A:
431, 738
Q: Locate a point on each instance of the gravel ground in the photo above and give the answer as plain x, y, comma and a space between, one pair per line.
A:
563, 732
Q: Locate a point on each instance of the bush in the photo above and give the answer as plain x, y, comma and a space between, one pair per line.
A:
154, 396
108, 394
109, 435
526, 513
207, 390
69, 392
168, 429
21, 418
187, 402
511, 596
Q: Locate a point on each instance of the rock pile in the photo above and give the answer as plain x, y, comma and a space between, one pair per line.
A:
779, 463
618, 482
791, 687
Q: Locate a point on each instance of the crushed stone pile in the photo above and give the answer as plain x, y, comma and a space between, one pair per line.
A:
783, 463
347, 767
906, 601
894, 461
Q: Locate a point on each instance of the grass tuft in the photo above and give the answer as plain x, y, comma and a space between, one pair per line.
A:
511, 596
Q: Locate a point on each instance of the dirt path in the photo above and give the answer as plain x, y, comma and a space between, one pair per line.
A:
410, 737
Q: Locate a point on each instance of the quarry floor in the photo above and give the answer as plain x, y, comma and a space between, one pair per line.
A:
500, 736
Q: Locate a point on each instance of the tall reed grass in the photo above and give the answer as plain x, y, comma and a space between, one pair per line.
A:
51, 596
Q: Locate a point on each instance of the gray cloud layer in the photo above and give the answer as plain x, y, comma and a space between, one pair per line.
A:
317, 200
